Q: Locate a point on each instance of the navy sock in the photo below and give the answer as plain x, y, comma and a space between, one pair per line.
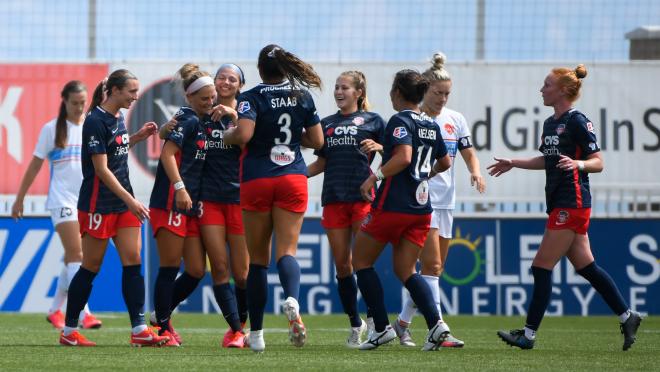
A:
184, 286
289, 271
257, 286
132, 287
540, 297
372, 292
347, 288
603, 283
225, 298
423, 297
163, 295
79, 290
241, 303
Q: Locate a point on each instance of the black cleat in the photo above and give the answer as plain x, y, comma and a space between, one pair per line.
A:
516, 338
629, 329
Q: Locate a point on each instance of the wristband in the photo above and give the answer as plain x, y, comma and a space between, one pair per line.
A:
379, 175
179, 185
580, 165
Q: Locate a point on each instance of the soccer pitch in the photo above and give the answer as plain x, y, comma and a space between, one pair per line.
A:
28, 342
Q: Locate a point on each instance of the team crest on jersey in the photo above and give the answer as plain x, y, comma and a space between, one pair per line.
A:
449, 128
358, 120
590, 127
561, 128
243, 107
400, 132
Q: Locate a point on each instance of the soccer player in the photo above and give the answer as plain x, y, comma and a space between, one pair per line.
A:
107, 208
59, 141
570, 153
352, 136
273, 119
175, 196
401, 211
456, 134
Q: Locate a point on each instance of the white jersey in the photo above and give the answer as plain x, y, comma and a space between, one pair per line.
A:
65, 166
456, 134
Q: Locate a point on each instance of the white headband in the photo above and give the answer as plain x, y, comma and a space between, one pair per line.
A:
199, 84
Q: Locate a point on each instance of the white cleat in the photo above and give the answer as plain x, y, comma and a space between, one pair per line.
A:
379, 338
405, 338
355, 338
297, 331
371, 327
436, 336
256, 341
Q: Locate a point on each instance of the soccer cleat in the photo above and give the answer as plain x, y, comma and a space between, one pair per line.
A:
451, 341
516, 338
56, 319
90, 322
629, 329
436, 336
297, 332
233, 339
405, 338
355, 338
379, 338
150, 338
371, 327
257, 343
75, 339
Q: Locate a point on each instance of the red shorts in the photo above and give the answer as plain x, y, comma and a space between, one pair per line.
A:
576, 219
392, 226
105, 226
228, 215
287, 192
175, 222
343, 215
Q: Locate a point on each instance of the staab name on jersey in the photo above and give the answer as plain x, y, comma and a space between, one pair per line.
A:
283, 102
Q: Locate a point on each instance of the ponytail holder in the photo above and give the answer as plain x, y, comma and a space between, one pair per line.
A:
271, 54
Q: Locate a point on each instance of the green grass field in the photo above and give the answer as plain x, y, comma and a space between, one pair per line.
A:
27, 342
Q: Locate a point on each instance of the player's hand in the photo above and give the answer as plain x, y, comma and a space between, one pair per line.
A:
138, 209
566, 164
17, 210
221, 110
183, 201
167, 128
477, 180
147, 130
368, 145
502, 166
366, 187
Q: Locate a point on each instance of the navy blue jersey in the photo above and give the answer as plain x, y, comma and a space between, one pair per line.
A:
220, 174
190, 136
103, 133
408, 190
280, 113
572, 134
346, 167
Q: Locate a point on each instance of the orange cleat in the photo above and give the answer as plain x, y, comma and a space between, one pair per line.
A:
233, 339
56, 319
172, 342
148, 338
90, 322
75, 339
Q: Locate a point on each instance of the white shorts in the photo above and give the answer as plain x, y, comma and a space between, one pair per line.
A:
63, 214
443, 220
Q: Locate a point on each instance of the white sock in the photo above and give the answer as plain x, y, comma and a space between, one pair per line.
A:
138, 329
623, 317
530, 333
434, 284
68, 330
71, 270
409, 309
60, 291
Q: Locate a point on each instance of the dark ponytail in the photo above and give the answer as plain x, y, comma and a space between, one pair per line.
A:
73, 86
276, 63
411, 85
103, 90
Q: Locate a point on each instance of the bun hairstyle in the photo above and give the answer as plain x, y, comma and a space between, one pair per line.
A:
411, 85
359, 83
61, 132
188, 73
437, 70
570, 80
275, 63
103, 90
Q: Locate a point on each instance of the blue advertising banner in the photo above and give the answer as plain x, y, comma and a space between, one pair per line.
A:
487, 270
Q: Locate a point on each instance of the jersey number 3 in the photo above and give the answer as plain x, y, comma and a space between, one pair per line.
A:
285, 127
